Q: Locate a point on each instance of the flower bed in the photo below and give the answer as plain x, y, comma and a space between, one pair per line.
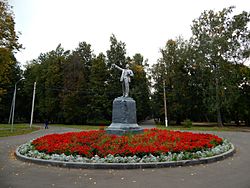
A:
98, 147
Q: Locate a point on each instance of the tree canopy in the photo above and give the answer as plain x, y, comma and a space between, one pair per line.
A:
204, 75
10, 71
78, 86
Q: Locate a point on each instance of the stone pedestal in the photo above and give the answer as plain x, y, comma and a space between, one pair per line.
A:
124, 119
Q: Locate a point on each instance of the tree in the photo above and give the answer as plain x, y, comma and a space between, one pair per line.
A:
73, 89
47, 72
76, 95
115, 55
85, 56
172, 69
100, 106
140, 87
240, 108
220, 39
31, 72
10, 70
8, 35
157, 73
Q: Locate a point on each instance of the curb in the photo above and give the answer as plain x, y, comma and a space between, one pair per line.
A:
170, 164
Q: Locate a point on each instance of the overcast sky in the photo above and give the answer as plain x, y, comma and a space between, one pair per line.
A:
144, 25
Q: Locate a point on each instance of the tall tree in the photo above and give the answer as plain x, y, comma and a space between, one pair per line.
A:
10, 71
240, 104
219, 39
76, 78
47, 72
8, 35
140, 87
115, 55
177, 78
73, 89
158, 76
100, 106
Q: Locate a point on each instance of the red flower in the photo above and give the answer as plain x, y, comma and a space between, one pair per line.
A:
99, 143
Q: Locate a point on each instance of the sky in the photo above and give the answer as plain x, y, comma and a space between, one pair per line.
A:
143, 25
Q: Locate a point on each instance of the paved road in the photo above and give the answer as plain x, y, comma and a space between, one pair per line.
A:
233, 172
148, 124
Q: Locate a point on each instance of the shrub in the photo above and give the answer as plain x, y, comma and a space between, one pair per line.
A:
188, 123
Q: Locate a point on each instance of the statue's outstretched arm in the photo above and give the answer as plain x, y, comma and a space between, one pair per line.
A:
116, 66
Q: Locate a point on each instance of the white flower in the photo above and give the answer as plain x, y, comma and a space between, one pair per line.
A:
29, 151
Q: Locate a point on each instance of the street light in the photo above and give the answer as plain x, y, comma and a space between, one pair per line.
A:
13, 104
33, 102
165, 104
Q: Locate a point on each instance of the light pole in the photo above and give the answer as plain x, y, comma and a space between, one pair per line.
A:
165, 104
33, 102
13, 104
11, 110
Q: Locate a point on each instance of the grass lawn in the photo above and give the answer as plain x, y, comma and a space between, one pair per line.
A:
171, 127
18, 129
82, 127
205, 128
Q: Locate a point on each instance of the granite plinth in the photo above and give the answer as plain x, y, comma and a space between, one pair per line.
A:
124, 119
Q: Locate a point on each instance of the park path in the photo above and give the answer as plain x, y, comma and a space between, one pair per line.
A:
229, 173
148, 124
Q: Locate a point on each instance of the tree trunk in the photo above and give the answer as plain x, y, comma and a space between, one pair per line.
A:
219, 119
178, 121
237, 122
206, 117
246, 119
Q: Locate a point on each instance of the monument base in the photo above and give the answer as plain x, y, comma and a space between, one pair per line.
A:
124, 119
121, 129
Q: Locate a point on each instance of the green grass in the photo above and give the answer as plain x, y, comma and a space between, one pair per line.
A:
205, 128
171, 127
18, 129
82, 127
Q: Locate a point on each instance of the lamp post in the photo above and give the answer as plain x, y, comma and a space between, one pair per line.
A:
11, 110
165, 104
13, 104
33, 102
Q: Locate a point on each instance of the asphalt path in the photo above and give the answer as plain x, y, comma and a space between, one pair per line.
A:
233, 172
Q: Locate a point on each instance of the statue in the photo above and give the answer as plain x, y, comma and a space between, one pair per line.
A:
124, 120
125, 79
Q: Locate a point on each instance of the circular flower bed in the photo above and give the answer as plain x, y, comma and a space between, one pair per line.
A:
153, 145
